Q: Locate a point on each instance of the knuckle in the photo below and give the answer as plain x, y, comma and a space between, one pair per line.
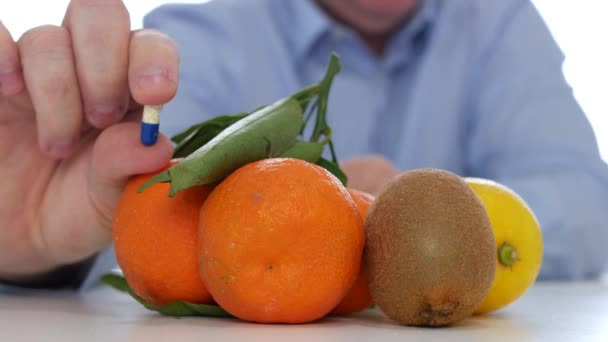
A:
57, 87
98, 38
143, 39
117, 7
154, 34
9, 61
169, 45
112, 58
87, 4
5, 35
50, 41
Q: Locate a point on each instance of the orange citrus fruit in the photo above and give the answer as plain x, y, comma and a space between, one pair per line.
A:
358, 297
155, 241
281, 241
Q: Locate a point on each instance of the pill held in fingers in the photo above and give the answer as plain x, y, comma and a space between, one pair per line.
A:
149, 124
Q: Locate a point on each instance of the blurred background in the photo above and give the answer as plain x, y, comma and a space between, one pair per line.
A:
580, 28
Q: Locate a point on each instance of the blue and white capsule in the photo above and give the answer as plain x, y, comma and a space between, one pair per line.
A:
149, 125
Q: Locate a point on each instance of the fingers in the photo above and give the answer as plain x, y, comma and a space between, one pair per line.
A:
100, 31
11, 80
153, 67
369, 173
117, 155
79, 216
92, 65
48, 69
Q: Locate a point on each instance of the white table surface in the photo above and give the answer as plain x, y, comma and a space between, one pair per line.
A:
548, 312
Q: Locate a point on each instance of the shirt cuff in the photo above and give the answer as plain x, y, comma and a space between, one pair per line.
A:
65, 277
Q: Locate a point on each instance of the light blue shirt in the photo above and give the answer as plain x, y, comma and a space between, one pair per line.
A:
471, 86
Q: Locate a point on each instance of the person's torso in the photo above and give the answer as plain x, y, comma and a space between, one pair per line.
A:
412, 105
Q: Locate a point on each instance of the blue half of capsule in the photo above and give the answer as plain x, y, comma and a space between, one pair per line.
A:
149, 133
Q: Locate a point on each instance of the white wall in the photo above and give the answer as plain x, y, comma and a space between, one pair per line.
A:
580, 27
18, 15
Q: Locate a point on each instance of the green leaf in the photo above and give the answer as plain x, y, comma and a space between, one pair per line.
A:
176, 309
334, 169
162, 177
241, 143
185, 309
198, 135
305, 150
305, 95
215, 148
117, 282
184, 134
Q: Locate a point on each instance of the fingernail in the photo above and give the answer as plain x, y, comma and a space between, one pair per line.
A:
153, 77
103, 115
11, 83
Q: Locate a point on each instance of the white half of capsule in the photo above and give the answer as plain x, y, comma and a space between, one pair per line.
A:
152, 114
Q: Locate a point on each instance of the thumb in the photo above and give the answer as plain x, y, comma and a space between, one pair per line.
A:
117, 155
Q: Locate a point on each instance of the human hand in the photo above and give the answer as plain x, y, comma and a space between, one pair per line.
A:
68, 97
369, 173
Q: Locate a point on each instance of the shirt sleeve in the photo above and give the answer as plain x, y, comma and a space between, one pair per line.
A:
528, 132
67, 277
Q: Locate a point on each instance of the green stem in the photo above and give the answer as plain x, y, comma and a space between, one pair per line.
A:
507, 254
321, 126
309, 114
333, 152
304, 95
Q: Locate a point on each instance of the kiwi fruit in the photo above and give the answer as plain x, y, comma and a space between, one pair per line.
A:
430, 250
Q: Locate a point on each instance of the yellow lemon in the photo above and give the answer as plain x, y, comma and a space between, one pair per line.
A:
519, 243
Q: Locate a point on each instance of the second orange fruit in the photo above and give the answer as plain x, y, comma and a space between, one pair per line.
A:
358, 297
280, 242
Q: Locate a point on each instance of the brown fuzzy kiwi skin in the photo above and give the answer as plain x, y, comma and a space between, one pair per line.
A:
430, 250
